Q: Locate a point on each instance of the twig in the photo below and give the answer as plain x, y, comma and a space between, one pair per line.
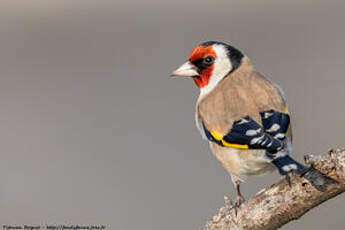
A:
279, 203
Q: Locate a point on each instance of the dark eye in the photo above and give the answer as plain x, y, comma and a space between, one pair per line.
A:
208, 60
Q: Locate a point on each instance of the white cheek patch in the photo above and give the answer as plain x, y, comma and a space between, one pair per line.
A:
222, 66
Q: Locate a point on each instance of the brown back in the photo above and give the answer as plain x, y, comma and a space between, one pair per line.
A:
244, 92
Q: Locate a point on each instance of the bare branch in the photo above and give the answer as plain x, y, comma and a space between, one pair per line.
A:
279, 203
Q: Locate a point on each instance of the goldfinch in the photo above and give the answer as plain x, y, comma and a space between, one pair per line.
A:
242, 114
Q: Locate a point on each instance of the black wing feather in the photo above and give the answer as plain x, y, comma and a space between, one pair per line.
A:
248, 132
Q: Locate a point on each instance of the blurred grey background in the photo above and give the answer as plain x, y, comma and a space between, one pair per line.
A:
93, 130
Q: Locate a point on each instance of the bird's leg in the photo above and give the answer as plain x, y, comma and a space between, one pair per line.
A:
239, 198
288, 179
236, 181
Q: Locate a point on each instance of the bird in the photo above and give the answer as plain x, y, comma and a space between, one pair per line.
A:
242, 114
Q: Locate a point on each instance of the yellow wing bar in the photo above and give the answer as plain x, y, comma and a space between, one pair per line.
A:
219, 137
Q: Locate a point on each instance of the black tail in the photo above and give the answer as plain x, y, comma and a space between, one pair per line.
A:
287, 164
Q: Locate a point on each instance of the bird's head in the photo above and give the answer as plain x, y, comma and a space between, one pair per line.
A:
209, 63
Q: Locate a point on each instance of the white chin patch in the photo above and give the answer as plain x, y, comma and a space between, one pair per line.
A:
222, 66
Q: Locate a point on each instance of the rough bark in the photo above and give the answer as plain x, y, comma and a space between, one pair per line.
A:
281, 203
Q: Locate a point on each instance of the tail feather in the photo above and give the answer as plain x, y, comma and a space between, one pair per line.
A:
286, 164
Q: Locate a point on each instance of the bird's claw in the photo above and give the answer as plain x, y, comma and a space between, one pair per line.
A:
239, 201
288, 179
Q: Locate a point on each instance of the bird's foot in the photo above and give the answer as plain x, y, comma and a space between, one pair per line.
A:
288, 179
239, 201
230, 206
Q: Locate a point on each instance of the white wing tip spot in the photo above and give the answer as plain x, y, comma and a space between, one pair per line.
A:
256, 140
243, 121
268, 114
274, 128
253, 132
279, 135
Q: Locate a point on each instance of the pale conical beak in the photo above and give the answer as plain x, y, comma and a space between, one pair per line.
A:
186, 70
